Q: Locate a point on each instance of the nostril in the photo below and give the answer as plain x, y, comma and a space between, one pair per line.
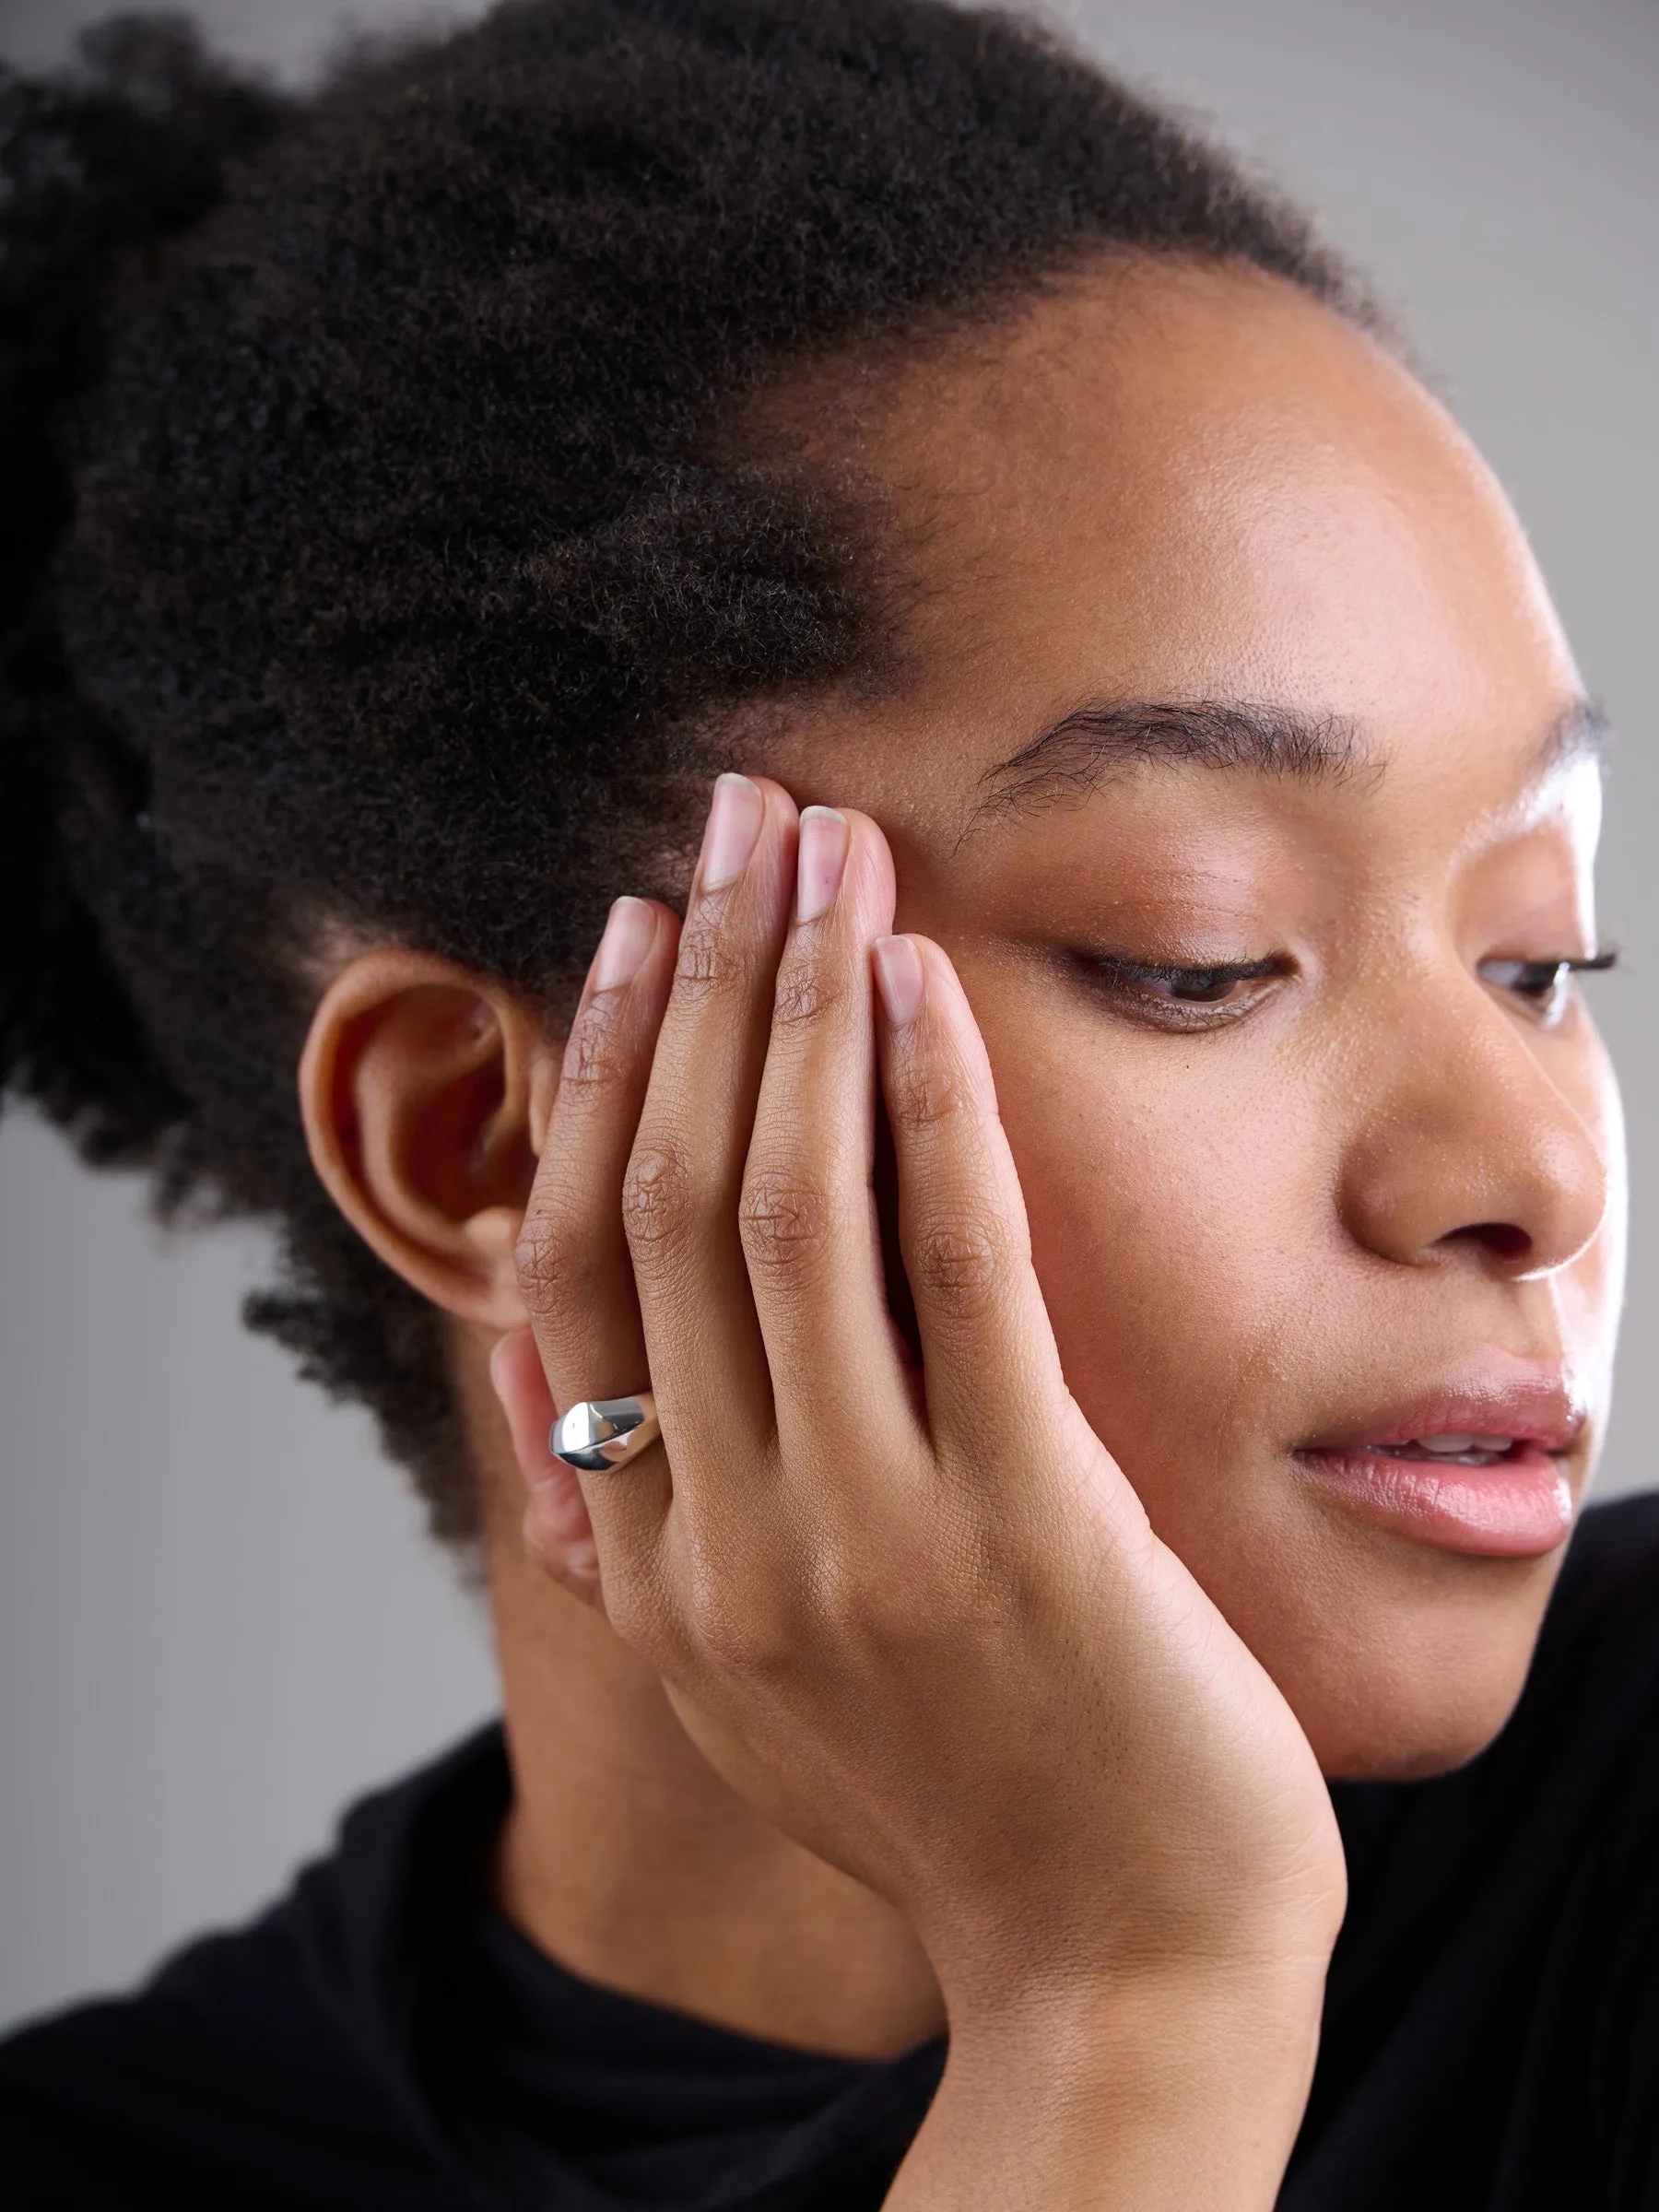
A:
1503, 1239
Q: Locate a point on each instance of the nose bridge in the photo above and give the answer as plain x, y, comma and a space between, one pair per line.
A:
1464, 1136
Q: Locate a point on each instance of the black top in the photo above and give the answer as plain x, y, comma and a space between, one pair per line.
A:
380, 2039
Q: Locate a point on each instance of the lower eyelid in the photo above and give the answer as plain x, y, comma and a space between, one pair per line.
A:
1134, 1000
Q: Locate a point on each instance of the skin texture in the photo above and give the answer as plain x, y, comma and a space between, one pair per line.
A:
1389, 1177
1185, 487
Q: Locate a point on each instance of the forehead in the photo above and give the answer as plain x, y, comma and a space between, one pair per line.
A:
1174, 483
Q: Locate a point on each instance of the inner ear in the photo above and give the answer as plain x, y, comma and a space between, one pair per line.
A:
465, 1133
461, 1146
419, 1088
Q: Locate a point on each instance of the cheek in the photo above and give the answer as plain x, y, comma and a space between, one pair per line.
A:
1200, 1287
1179, 1218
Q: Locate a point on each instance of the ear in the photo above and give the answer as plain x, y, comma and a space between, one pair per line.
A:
426, 1092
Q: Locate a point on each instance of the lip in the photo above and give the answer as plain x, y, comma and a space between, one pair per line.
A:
1522, 1507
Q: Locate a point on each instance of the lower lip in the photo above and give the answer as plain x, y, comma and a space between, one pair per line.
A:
1518, 1509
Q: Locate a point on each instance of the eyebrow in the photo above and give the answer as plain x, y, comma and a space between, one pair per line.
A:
1080, 752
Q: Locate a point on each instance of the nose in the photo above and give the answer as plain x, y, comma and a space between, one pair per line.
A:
1467, 1146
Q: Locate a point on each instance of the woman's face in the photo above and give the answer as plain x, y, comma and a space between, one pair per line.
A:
1287, 1221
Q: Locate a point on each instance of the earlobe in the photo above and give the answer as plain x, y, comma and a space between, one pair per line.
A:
419, 1086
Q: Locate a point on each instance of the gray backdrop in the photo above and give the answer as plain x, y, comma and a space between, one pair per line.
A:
218, 1618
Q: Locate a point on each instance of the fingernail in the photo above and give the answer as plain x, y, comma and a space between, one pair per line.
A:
496, 1350
822, 860
899, 977
734, 827
630, 930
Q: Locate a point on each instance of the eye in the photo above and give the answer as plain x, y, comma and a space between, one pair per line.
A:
1183, 998
1544, 986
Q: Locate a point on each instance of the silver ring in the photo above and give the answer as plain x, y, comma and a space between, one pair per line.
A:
604, 1433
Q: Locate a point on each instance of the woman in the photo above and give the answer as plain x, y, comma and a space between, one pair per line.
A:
989, 1518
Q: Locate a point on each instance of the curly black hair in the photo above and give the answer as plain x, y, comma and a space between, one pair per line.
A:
385, 526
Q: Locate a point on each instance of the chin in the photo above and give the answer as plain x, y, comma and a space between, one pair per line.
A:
1401, 1663
1404, 1721
1402, 1757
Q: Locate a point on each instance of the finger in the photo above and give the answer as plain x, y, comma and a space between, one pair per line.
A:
558, 1530
680, 1195
574, 1273
811, 1234
990, 1363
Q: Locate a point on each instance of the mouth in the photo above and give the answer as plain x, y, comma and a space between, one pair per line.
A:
1481, 1471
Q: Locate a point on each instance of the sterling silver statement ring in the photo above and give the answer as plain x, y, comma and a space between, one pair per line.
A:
604, 1433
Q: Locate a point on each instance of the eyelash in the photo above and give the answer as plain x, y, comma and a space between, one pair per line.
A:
1135, 985
1541, 984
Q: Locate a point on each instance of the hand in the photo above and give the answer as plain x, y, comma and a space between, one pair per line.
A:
919, 1619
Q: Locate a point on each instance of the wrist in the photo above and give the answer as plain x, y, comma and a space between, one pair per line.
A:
1060, 1975
1176, 2086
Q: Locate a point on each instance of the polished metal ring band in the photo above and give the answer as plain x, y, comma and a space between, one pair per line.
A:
604, 1433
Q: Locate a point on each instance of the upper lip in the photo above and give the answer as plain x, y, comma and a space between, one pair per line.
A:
1532, 1408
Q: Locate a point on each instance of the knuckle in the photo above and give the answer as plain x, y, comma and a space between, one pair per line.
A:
658, 1202
554, 1267
708, 963
955, 1267
739, 1613
741, 1643
926, 1094
806, 991
785, 1222
596, 1057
